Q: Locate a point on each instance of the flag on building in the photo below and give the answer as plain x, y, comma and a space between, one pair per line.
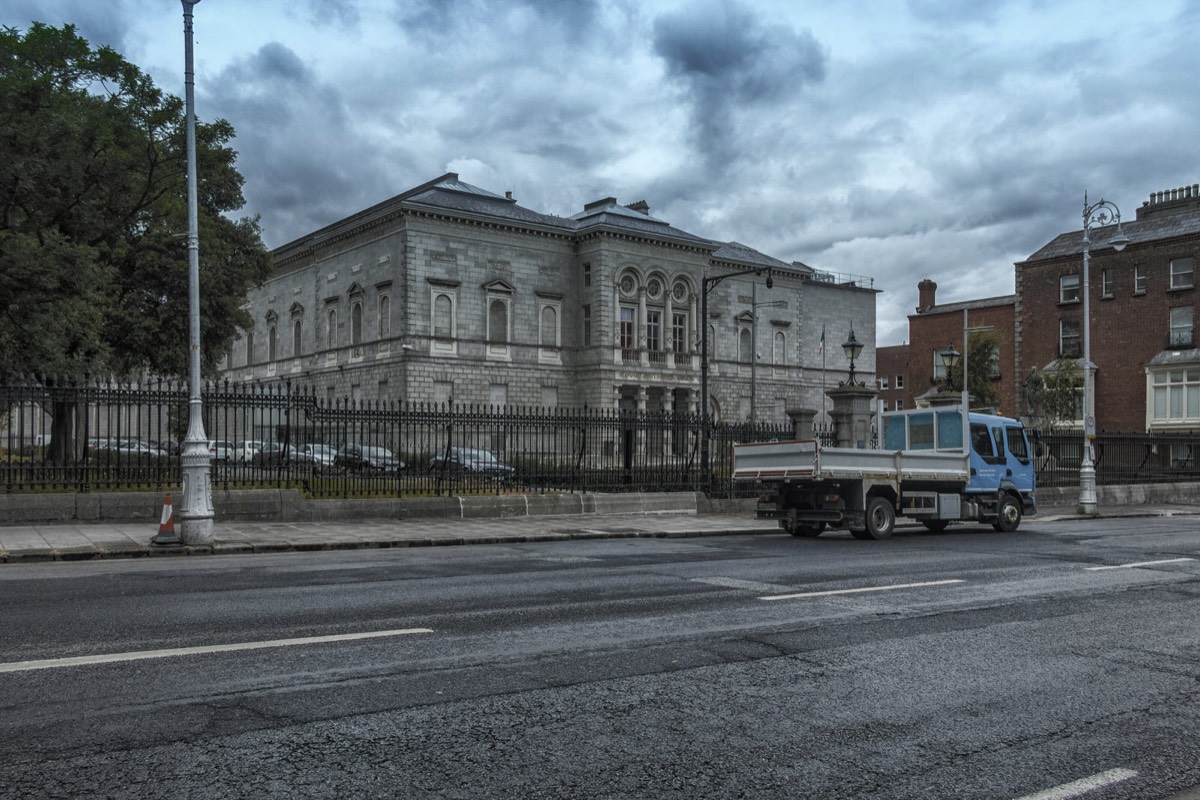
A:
821, 349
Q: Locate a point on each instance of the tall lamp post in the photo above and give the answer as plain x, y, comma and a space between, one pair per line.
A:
196, 510
706, 286
1096, 215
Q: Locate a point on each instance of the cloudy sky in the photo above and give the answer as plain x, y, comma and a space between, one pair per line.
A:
895, 139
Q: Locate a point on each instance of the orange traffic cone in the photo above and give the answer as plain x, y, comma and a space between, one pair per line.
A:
166, 525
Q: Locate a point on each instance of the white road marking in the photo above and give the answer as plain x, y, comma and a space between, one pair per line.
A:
109, 658
1083, 785
738, 583
1140, 564
861, 590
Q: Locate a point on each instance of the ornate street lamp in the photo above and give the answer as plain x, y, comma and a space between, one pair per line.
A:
852, 347
1096, 215
196, 510
950, 357
706, 286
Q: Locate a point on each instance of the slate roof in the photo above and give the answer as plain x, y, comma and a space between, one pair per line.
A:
452, 194
970, 305
1151, 229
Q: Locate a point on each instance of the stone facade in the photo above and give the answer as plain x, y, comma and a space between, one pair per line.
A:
448, 292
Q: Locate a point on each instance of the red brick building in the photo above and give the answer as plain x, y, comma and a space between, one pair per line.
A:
1142, 307
934, 328
891, 377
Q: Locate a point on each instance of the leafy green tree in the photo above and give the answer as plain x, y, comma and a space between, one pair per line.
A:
1054, 394
93, 216
983, 367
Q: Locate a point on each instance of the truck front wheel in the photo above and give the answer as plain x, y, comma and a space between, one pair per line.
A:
1008, 517
881, 518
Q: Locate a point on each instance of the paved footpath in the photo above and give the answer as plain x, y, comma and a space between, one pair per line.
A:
65, 542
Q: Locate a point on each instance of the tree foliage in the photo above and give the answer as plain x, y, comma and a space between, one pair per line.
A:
1054, 394
93, 216
982, 368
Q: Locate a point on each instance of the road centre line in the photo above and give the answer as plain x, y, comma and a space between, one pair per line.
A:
1140, 564
862, 589
109, 658
1083, 785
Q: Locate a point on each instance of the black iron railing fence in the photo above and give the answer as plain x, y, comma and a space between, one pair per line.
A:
113, 437
1120, 458
96, 436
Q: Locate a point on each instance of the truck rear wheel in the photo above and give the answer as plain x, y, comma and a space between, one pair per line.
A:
880, 518
1008, 517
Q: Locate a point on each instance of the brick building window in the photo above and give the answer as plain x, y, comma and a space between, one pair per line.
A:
1106, 283
899, 381
1181, 327
1068, 289
1182, 270
883, 383
1139, 279
1068, 338
1177, 395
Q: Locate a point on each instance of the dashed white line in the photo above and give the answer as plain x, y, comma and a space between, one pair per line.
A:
860, 590
738, 583
109, 658
1140, 564
1083, 785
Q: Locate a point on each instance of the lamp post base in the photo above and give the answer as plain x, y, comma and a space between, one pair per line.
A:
1087, 488
196, 511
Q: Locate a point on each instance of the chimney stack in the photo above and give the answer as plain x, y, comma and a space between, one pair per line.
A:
926, 295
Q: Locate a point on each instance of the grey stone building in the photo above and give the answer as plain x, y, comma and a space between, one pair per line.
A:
448, 292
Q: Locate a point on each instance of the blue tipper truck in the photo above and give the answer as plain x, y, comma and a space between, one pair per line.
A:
921, 471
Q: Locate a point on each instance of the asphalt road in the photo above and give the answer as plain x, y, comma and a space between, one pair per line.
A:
965, 665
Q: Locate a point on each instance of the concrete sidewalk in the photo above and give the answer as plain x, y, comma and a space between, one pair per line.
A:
73, 541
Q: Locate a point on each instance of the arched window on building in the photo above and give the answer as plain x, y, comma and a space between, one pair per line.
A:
779, 351
497, 328
297, 337
745, 346
249, 348
356, 323
331, 329
271, 342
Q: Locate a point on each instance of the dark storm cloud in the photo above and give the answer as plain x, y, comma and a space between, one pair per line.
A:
343, 12
731, 61
445, 17
99, 23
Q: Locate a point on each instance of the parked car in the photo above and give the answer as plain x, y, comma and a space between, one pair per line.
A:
319, 455
274, 454
364, 457
220, 450
244, 452
471, 461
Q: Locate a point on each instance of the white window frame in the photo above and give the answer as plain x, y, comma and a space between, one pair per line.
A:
1180, 334
1139, 279
1063, 350
1068, 288
1183, 273
1106, 283
1173, 397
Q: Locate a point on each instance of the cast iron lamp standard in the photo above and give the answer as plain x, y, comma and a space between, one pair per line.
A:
707, 285
1096, 215
950, 357
196, 510
852, 347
